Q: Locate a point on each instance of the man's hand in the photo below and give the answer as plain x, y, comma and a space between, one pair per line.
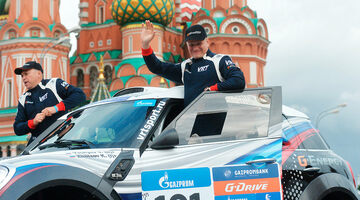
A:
49, 111
147, 34
39, 118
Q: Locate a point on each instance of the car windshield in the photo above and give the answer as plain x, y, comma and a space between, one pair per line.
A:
114, 125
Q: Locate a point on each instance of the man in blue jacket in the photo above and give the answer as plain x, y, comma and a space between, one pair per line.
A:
203, 71
44, 101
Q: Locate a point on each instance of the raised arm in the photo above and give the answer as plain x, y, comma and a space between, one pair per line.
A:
147, 34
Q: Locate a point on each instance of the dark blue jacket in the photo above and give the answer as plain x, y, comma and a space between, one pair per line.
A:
199, 73
48, 92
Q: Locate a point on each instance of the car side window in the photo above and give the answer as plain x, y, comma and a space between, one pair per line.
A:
224, 116
291, 139
308, 136
314, 141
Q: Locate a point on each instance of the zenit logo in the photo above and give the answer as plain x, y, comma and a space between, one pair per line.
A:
242, 187
165, 183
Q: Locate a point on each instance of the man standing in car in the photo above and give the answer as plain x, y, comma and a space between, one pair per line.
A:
203, 71
44, 101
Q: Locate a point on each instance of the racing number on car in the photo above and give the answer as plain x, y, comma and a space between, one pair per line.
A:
195, 196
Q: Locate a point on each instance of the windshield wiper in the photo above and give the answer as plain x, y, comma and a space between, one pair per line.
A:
71, 144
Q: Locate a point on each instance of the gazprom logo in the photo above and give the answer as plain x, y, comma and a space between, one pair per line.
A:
175, 179
165, 183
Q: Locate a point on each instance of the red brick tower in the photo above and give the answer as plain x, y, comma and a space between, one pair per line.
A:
29, 30
234, 29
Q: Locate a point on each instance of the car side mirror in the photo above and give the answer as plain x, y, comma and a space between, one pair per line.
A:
167, 140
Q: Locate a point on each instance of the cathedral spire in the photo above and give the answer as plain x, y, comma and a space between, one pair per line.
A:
101, 92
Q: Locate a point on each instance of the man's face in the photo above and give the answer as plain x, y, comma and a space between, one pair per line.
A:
31, 78
198, 48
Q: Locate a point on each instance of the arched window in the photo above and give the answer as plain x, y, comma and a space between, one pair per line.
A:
57, 34
107, 74
93, 78
34, 32
8, 151
213, 4
9, 92
12, 34
80, 78
130, 44
101, 15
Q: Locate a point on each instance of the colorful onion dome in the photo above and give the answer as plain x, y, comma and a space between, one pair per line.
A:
159, 11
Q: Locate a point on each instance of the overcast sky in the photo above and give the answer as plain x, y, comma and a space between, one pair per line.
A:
314, 55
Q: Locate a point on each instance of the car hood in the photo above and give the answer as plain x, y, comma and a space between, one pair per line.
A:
96, 161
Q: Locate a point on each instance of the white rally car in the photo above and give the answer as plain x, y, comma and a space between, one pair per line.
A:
99, 151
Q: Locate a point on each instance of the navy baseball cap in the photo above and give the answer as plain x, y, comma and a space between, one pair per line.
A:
195, 32
27, 66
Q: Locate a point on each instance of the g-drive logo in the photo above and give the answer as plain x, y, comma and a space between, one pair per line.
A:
166, 184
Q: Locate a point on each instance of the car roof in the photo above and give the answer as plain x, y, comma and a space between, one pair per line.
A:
291, 112
176, 92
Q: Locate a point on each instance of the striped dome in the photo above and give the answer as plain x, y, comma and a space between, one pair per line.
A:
159, 11
188, 7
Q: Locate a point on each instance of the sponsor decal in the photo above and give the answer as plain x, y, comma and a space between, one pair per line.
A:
44, 97
194, 32
262, 196
229, 62
247, 182
227, 173
155, 113
317, 161
302, 161
184, 184
175, 179
203, 68
236, 182
267, 197
251, 100
229, 66
165, 183
246, 186
94, 154
251, 172
65, 84
149, 102
29, 102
